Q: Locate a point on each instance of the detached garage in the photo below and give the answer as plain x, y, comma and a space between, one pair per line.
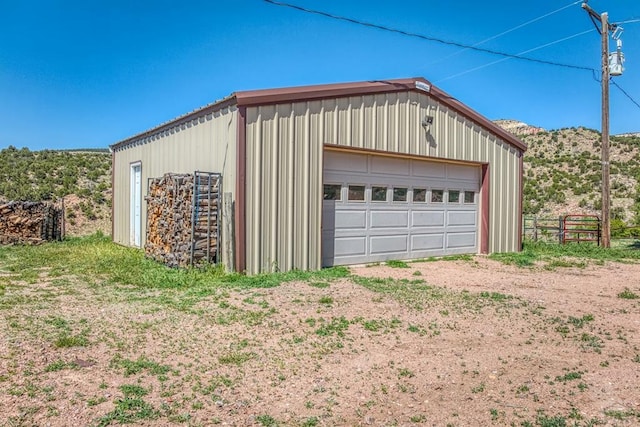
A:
336, 174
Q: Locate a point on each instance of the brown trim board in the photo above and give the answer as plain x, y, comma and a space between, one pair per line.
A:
520, 201
241, 190
484, 210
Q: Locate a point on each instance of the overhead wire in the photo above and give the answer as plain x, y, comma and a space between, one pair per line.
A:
425, 37
625, 93
520, 53
517, 27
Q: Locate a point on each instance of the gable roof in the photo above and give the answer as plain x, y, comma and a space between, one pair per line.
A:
252, 98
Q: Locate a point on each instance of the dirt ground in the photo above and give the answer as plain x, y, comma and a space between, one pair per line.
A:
456, 343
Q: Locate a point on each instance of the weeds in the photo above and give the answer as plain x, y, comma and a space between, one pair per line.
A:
132, 367
628, 294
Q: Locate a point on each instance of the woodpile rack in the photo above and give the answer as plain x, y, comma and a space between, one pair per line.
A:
31, 222
183, 219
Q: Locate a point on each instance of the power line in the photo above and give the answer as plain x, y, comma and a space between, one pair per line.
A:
625, 92
424, 37
628, 21
520, 53
511, 30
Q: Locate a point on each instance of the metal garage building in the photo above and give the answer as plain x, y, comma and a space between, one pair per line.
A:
337, 174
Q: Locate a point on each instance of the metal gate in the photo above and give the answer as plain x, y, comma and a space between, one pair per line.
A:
581, 228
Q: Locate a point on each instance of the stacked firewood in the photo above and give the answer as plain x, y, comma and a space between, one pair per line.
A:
182, 219
31, 222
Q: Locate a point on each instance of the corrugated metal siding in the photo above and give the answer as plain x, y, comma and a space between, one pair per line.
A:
206, 143
284, 167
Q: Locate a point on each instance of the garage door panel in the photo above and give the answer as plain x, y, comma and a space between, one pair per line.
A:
461, 240
374, 231
387, 166
345, 162
350, 219
422, 242
388, 244
429, 170
427, 218
350, 246
389, 219
458, 172
455, 218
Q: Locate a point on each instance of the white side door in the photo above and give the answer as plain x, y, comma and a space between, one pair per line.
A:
136, 205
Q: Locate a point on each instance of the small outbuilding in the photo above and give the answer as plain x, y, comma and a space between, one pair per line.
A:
336, 174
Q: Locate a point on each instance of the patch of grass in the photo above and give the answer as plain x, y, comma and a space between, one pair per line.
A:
496, 296
478, 389
337, 326
310, 422
133, 390
129, 410
544, 420
628, 294
66, 340
96, 256
326, 300
235, 358
622, 415
404, 372
59, 365
132, 367
420, 418
569, 376
397, 264
375, 325
321, 285
266, 420
579, 322
569, 255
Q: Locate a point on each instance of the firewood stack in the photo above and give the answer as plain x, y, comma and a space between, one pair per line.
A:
31, 222
182, 219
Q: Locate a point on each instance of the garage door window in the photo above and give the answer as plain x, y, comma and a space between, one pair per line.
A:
437, 196
420, 195
332, 192
400, 194
378, 194
469, 196
454, 196
356, 193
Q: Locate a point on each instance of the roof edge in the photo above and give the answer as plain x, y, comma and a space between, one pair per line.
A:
178, 121
251, 98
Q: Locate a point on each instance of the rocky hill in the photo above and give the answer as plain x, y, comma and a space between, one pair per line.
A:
563, 172
81, 178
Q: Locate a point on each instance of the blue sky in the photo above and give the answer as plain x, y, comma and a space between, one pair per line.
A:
86, 74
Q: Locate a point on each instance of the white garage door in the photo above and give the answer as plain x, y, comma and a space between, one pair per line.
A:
380, 208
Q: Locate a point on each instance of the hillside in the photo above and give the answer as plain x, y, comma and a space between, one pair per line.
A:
561, 167
563, 172
81, 178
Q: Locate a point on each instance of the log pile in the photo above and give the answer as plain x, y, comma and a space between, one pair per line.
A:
182, 219
31, 222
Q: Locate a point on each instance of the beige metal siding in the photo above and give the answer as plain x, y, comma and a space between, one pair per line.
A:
284, 167
206, 143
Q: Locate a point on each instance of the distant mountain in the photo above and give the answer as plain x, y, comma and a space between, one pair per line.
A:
518, 128
563, 172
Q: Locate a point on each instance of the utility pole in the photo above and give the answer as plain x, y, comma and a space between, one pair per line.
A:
604, 29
